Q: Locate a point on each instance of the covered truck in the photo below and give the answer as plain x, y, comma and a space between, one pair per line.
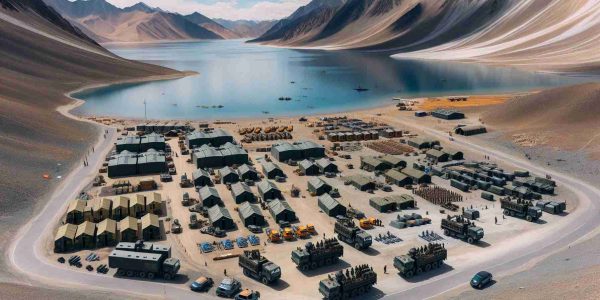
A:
520, 208
316, 255
422, 259
353, 282
462, 228
143, 260
257, 266
348, 232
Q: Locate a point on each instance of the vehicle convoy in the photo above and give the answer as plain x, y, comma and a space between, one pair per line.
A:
462, 228
157, 260
348, 232
257, 266
355, 281
322, 253
422, 259
520, 208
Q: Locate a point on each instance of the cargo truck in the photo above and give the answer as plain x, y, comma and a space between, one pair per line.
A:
344, 285
520, 208
462, 228
422, 259
322, 253
348, 232
257, 266
144, 261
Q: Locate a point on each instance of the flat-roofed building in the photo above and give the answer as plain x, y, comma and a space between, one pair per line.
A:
448, 114
470, 130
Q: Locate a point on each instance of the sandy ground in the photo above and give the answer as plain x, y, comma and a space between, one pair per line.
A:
509, 230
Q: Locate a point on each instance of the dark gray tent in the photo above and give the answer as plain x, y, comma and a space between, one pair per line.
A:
326, 166
272, 170
318, 187
241, 192
331, 206
124, 164
219, 217
228, 175
151, 162
268, 190
201, 178
308, 168
247, 172
209, 196
250, 214
281, 211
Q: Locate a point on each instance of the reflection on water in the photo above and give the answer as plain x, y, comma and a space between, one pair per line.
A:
247, 80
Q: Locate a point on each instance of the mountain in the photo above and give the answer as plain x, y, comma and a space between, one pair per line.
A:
538, 34
208, 24
247, 28
138, 23
42, 57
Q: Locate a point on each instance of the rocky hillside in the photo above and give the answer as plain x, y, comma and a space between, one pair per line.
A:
138, 23
540, 34
247, 28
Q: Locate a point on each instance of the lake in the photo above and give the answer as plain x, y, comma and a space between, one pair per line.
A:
247, 80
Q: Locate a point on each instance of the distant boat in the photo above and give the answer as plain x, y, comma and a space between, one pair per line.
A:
361, 89
288, 98
265, 112
281, 98
292, 82
220, 106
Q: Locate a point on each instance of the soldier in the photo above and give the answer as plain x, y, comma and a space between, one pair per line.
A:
385, 269
225, 272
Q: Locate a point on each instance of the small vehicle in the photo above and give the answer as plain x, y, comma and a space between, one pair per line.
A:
255, 229
216, 232
228, 287
176, 226
248, 295
201, 284
193, 221
481, 279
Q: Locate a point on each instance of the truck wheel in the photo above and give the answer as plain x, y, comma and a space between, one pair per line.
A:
304, 268
361, 290
313, 265
321, 263
419, 271
470, 240
328, 261
346, 296
120, 273
529, 219
408, 274
167, 276
446, 232
247, 273
512, 213
150, 276
142, 274
506, 212
357, 246
129, 274
427, 267
264, 280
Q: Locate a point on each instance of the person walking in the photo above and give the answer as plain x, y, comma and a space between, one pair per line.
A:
496, 220
385, 269
225, 272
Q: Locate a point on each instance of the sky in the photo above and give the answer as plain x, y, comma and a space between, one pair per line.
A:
225, 9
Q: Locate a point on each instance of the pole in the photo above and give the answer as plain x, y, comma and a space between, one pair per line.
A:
145, 111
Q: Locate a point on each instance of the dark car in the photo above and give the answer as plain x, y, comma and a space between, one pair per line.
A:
229, 287
201, 284
481, 279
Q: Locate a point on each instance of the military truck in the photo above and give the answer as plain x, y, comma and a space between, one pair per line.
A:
422, 259
257, 266
322, 253
343, 285
348, 232
462, 228
520, 208
144, 260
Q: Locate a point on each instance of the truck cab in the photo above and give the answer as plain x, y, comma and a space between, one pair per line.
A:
363, 239
533, 213
171, 267
475, 232
300, 257
404, 264
272, 272
330, 289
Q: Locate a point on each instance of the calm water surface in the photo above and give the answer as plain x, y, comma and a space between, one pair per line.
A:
248, 79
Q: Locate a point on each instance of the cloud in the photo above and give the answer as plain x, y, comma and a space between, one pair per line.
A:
225, 9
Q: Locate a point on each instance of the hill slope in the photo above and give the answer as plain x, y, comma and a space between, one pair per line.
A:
540, 34
137, 23
208, 24
42, 56
247, 28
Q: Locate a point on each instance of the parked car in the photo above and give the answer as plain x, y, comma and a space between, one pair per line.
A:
248, 295
228, 287
481, 279
255, 229
201, 284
